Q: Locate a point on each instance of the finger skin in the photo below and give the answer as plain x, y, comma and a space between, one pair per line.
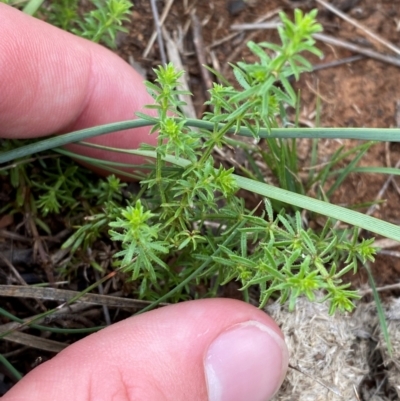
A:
157, 356
52, 81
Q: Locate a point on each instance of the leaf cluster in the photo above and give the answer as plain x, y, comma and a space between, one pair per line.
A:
189, 210
265, 84
101, 24
51, 189
283, 258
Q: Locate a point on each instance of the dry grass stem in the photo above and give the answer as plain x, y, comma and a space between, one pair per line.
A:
346, 18
35, 342
199, 46
334, 352
154, 34
159, 33
55, 294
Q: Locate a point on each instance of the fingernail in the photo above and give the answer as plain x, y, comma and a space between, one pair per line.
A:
247, 362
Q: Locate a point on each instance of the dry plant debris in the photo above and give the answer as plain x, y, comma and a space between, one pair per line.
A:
339, 357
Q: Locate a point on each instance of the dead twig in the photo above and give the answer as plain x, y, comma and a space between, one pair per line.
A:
154, 34
12, 269
386, 243
19, 278
55, 294
14, 326
158, 29
14, 236
358, 49
199, 46
381, 289
353, 22
337, 63
32, 341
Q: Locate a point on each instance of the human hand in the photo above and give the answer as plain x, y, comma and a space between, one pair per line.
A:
52, 82
216, 350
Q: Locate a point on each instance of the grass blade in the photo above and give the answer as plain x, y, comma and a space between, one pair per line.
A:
32, 6
368, 134
348, 169
10, 367
336, 212
381, 313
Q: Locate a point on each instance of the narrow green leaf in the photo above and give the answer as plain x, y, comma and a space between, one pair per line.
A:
369, 134
32, 6
381, 313
4, 361
336, 212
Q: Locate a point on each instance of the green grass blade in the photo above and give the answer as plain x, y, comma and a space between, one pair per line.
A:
76, 136
372, 170
368, 134
336, 212
32, 6
348, 169
10, 367
339, 213
381, 313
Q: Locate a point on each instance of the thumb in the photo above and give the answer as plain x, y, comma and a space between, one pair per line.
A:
215, 350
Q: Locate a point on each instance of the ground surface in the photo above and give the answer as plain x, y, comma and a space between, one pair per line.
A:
363, 93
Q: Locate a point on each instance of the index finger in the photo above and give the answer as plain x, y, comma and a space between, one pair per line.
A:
52, 81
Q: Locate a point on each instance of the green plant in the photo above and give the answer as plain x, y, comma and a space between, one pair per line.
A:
51, 186
188, 227
101, 24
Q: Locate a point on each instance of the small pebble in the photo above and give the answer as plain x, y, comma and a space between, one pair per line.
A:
236, 6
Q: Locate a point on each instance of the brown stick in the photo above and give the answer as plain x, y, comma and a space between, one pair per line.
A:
199, 45
55, 294
373, 35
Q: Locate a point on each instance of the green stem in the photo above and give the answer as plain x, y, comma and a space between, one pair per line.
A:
219, 135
